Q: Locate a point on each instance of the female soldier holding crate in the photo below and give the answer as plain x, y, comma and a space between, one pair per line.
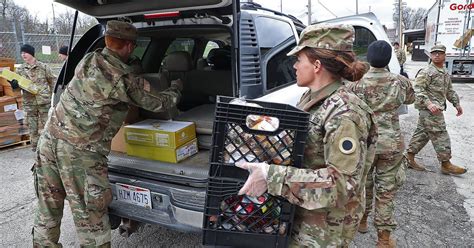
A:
329, 188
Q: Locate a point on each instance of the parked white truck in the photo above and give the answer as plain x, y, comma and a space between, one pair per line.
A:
449, 23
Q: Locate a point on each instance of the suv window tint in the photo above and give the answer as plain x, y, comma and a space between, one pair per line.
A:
363, 38
209, 46
142, 44
181, 44
271, 32
280, 69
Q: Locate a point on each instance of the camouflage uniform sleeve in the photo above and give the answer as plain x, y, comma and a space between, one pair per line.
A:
50, 77
138, 93
21, 71
407, 87
451, 95
421, 82
404, 57
326, 187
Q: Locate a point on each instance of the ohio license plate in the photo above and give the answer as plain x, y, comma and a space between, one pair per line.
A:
134, 195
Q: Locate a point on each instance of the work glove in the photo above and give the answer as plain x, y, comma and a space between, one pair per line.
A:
14, 84
178, 83
460, 111
256, 183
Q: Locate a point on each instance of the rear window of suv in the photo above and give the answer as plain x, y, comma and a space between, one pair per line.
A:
181, 44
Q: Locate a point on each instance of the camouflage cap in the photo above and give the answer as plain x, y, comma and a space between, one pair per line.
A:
333, 37
121, 30
438, 47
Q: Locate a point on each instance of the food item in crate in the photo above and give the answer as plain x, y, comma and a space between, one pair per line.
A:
245, 213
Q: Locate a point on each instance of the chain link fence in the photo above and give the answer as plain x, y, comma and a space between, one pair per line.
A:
46, 46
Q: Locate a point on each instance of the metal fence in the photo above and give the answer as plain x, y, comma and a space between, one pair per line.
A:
46, 45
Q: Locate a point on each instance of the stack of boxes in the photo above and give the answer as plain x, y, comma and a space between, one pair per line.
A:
11, 129
11, 115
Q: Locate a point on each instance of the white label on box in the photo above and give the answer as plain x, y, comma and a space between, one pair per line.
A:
162, 139
139, 137
19, 114
10, 107
186, 151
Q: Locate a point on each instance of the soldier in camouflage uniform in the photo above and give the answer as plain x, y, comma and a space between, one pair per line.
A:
72, 162
432, 88
36, 106
329, 188
401, 56
384, 92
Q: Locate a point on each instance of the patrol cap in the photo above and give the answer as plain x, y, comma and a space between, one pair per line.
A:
326, 36
121, 30
439, 48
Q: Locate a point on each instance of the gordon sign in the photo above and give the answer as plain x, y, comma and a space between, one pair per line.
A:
456, 6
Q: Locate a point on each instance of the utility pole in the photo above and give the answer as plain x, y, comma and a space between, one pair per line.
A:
55, 29
400, 26
281, 6
309, 12
357, 7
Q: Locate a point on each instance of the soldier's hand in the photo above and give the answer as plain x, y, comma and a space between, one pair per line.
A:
178, 83
460, 111
433, 108
256, 183
14, 84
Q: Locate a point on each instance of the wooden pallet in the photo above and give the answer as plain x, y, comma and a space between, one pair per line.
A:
16, 145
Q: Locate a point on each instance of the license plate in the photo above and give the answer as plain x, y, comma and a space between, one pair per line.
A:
134, 195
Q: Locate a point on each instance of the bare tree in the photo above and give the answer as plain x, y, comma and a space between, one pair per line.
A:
411, 18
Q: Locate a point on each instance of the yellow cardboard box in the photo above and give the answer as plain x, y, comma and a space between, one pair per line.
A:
172, 155
160, 133
24, 83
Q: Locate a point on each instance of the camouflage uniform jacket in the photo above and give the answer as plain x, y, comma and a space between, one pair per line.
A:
330, 185
385, 92
41, 74
95, 102
400, 56
434, 85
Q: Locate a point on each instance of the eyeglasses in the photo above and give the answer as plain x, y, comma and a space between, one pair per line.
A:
438, 53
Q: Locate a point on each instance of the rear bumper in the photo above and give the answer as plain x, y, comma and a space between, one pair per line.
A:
173, 206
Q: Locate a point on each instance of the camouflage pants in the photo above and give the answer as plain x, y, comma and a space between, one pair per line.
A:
63, 172
327, 227
386, 176
431, 127
36, 117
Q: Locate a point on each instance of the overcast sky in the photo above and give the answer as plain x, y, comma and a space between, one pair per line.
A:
383, 9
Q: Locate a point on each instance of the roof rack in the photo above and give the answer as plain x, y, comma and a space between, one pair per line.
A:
256, 6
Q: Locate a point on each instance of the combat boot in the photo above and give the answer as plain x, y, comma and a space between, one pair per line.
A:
448, 168
412, 163
384, 240
363, 226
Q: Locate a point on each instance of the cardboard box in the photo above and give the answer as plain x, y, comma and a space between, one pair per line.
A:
172, 155
160, 133
118, 142
10, 130
19, 102
23, 82
7, 118
7, 104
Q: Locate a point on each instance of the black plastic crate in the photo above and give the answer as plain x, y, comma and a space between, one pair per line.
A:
242, 221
